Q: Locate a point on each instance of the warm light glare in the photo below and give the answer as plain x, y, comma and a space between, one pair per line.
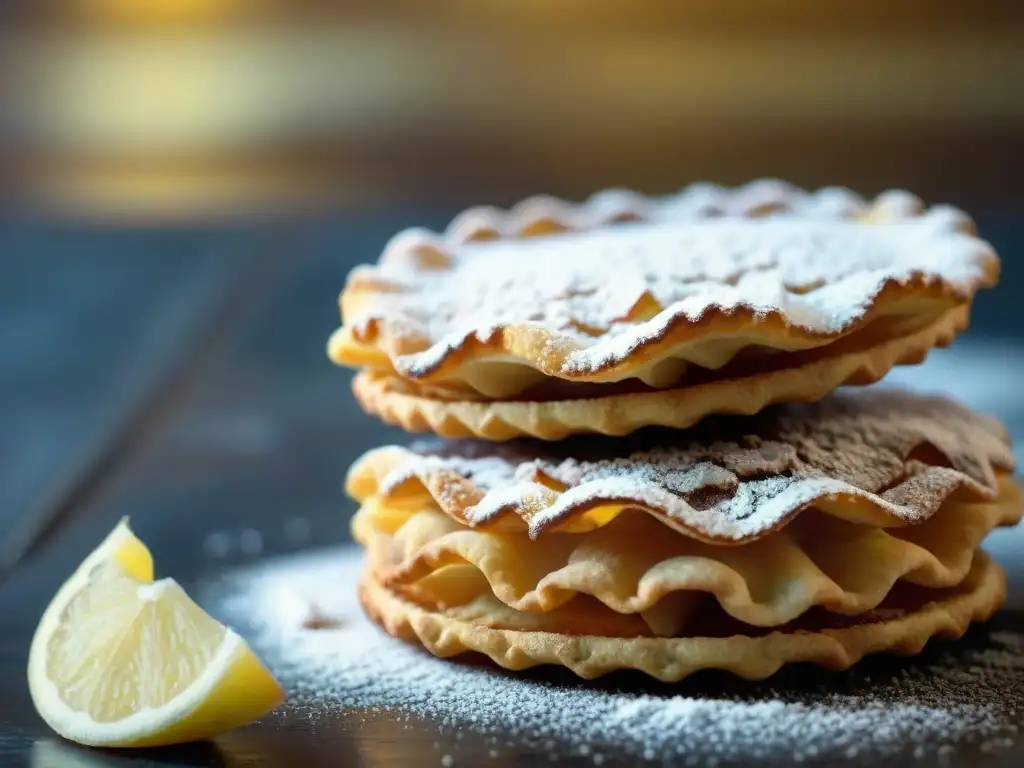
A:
552, 96
164, 11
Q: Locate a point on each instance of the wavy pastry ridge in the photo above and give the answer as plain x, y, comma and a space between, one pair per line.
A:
879, 457
672, 659
781, 279
629, 567
400, 403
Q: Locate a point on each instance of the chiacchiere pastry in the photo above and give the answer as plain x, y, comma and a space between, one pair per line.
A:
816, 532
554, 319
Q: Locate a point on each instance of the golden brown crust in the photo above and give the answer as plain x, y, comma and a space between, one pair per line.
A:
395, 402
494, 324
631, 565
881, 457
672, 659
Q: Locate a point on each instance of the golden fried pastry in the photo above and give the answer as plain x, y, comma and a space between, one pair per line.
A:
904, 629
813, 532
555, 319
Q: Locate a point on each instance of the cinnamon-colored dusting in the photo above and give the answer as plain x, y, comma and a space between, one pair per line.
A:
729, 478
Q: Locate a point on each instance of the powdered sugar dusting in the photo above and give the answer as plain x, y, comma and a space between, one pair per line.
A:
728, 478
806, 261
955, 695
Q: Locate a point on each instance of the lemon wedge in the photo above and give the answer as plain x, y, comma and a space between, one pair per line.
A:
119, 660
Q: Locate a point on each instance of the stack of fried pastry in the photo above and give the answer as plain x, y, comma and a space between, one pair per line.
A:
711, 500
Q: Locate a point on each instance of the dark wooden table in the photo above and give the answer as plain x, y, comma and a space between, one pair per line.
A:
179, 377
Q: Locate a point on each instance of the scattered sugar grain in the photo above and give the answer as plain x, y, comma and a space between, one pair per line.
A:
964, 695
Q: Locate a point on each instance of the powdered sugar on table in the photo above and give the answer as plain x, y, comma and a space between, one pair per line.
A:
954, 695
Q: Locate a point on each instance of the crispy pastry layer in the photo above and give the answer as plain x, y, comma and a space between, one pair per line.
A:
416, 408
658, 292
903, 629
880, 458
633, 566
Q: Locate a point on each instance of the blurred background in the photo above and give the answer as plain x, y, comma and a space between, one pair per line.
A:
187, 182
191, 109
